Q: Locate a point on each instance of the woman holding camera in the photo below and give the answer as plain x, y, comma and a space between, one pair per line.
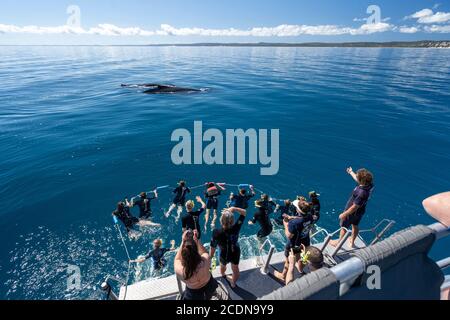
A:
192, 264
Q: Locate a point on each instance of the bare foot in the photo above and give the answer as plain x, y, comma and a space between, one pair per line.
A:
230, 279
279, 276
352, 245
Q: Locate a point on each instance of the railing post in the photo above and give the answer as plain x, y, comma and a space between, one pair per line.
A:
381, 234
106, 287
341, 243
265, 268
325, 243
444, 263
180, 286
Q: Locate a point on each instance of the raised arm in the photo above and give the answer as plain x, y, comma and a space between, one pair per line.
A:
201, 249
352, 174
242, 212
200, 200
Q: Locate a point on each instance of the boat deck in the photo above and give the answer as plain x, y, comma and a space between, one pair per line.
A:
252, 283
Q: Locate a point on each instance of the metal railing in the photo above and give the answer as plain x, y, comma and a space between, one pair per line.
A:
266, 263
379, 235
352, 268
107, 287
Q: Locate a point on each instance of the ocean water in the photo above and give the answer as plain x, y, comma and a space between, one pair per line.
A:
73, 143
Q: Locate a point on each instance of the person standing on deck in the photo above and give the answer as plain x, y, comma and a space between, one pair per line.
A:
226, 238
191, 219
356, 205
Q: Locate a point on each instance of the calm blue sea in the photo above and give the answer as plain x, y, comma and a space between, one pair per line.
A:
73, 143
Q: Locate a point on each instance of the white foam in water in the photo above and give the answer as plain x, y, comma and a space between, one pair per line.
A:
40, 263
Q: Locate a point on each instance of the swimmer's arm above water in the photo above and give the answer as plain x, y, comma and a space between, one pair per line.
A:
143, 259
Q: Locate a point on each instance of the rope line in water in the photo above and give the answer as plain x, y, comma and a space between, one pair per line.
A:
116, 223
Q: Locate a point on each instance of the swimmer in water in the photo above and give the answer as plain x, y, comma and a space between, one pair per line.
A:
157, 254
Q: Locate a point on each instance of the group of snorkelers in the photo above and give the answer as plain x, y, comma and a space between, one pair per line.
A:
296, 217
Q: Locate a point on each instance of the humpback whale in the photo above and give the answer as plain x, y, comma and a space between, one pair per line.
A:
155, 88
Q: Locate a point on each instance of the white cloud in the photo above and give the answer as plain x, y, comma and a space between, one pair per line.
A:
427, 16
284, 30
422, 13
438, 29
405, 29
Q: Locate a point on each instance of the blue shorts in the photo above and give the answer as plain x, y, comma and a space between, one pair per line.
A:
352, 220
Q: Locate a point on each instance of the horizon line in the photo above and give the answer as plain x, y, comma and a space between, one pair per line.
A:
251, 44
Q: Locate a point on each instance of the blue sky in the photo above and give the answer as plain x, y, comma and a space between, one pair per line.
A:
184, 21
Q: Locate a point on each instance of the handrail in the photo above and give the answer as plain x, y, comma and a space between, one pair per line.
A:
319, 230
444, 263
266, 263
440, 230
330, 236
341, 243
379, 235
106, 286
354, 267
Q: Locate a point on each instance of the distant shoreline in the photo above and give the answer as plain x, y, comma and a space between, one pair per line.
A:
391, 44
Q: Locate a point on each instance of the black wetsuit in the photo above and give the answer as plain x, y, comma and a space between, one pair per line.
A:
157, 256
241, 201
145, 210
289, 210
315, 209
213, 200
191, 221
126, 217
269, 205
262, 218
180, 195
227, 240
299, 228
